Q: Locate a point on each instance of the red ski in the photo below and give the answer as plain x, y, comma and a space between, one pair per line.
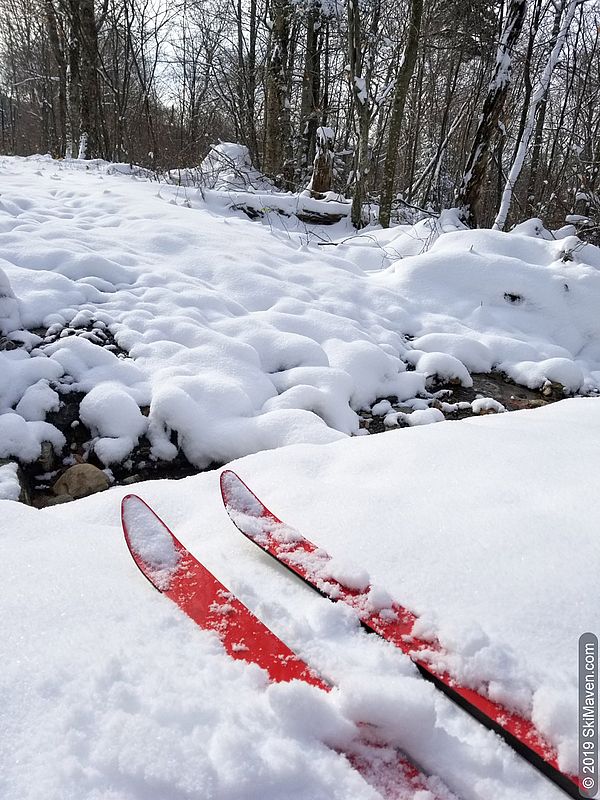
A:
174, 571
395, 624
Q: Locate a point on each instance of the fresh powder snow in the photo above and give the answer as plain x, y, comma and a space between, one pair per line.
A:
108, 690
248, 340
242, 337
151, 542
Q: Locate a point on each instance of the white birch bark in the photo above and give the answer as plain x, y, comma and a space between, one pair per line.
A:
536, 99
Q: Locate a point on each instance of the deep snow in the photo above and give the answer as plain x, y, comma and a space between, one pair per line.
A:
246, 336
484, 527
243, 337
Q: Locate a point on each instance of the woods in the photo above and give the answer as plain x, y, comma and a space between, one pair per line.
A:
492, 107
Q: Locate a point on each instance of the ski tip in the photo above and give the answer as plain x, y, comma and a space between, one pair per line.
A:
153, 547
228, 477
127, 498
238, 498
231, 485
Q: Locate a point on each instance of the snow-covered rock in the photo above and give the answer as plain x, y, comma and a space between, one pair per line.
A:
10, 317
227, 167
242, 337
10, 485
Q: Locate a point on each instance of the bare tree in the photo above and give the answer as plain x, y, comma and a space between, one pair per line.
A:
536, 98
469, 193
277, 104
405, 71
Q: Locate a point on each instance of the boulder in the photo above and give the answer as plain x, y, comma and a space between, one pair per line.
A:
81, 480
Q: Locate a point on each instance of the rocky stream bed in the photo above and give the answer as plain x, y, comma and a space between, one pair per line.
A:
77, 471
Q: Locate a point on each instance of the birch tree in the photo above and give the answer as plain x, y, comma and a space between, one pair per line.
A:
536, 98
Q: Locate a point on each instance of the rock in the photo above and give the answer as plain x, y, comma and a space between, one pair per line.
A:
553, 389
81, 480
8, 344
47, 457
54, 501
132, 479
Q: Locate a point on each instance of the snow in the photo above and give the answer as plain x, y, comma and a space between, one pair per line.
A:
246, 340
10, 488
506, 301
10, 318
25, 438
424, 416
482, 405
20, 374
227, 166
150, 541
535, 374
440, 366
269, 340
112, 415
37, 400
382, 408
110, 691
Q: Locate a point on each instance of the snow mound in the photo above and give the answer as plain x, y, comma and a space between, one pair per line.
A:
10, 488
10, 317
506, 301
239, 338
114, 417
24, 439
227, 167
440, 366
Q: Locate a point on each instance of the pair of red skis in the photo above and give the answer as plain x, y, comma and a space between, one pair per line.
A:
177, 574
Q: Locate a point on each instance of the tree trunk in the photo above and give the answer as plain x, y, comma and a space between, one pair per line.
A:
277, 110
405, 72
59, 57
360, 79
539, 125
537, 97
311, 88
322, 174
73, 119
90, 90
469, 193
247, 78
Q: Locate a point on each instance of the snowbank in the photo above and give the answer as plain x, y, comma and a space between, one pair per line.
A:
511, 302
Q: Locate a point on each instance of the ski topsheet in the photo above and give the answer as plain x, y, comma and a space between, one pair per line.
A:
388, 619
174, 571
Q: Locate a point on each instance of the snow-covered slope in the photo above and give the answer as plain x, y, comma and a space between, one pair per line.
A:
243, 338
487, 528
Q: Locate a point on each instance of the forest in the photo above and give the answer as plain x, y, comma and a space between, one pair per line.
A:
405, 106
